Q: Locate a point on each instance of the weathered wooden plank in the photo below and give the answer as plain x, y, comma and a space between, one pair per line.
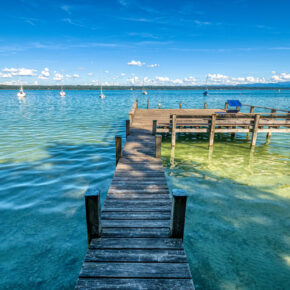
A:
136, 255
135, 223
138, 243
135, 215
135, 270
135, 232
141, 191
137, 196
129, 202
130, 284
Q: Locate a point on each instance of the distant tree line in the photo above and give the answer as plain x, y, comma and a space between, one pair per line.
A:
89, 87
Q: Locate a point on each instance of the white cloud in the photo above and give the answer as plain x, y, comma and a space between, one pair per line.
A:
217, 78
58, 77
133, 80
190, 79
68, 76
76, 76
44, 74
20, 71
177, 82
90, 74
5, 75
283, 77
162, 79
135, 63
123, 74
153, 65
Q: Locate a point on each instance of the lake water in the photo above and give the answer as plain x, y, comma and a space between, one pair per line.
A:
52, 149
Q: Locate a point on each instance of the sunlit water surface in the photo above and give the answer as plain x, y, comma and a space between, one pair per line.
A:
53, 149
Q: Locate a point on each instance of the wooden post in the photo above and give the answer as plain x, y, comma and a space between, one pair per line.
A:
154, 127
255, 130
178, 213
159, 105
158, 140
252, 110
238, 108
269, 134
127, 128
93, 214
180, 105
147, 103
118, 143
130, 119
205, 105
226, 105
173, 131
233, 135
137, 103
212, 130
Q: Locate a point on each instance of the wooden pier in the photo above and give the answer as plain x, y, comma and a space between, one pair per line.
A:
136, 241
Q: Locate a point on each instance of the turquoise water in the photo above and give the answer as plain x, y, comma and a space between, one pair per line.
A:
52, 149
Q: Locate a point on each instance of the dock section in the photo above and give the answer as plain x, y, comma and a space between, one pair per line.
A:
137, 246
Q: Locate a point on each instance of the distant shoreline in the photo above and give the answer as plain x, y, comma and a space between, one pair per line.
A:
138, 88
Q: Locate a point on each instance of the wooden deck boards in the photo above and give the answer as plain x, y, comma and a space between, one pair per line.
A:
135, 250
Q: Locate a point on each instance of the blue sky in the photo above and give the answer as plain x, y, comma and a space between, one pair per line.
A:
131, 41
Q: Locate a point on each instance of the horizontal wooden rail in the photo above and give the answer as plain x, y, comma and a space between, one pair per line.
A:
267, 108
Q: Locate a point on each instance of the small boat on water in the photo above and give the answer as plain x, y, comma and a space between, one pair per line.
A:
144, 92
205, 93
62, 92
21, 93
102, 96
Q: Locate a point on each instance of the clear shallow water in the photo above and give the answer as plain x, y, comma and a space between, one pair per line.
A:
52, 149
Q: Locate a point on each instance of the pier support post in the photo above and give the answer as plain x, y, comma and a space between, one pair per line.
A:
212, 130
233, 135
147, 103
205, 105
252, 110
173, 131
159, 105
154, 127
118, 143
269, 134
158, 140
226, 105
180, 105
178, 213
93, 213
255, 130
127, 128
137, 103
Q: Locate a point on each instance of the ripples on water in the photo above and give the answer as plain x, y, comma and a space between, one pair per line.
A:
52, 149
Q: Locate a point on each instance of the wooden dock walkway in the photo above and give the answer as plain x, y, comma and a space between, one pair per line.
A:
135, 248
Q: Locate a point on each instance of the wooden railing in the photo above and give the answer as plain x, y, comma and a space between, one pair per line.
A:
224, 123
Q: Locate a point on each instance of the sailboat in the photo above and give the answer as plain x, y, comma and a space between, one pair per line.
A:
21, 93
144, 92
205, 93
102, 96
62, 92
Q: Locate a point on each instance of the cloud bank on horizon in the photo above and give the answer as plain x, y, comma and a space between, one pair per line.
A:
155, 42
